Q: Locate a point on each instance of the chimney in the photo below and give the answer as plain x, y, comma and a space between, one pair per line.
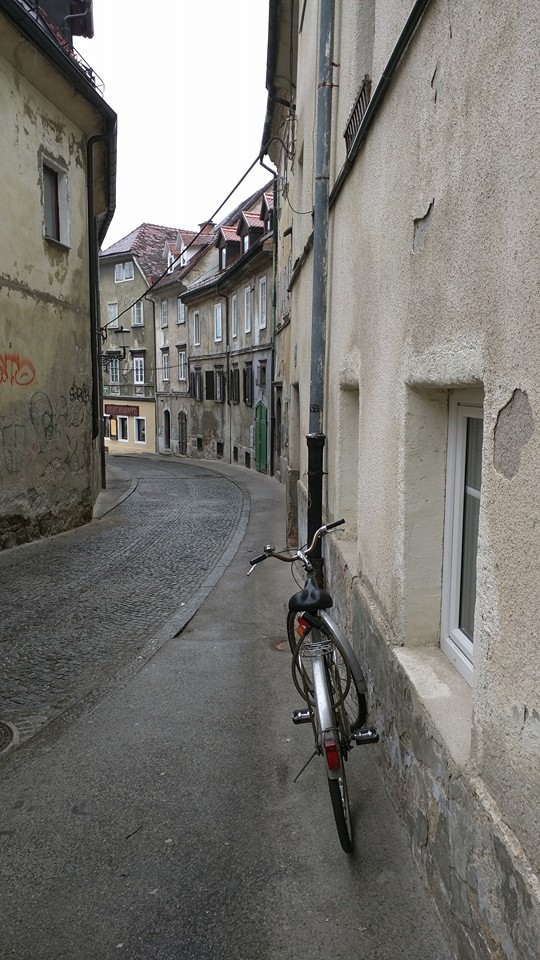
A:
206, 226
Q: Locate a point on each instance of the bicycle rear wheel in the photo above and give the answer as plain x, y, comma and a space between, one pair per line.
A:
339, 796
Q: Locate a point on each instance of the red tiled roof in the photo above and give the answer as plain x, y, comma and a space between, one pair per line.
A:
146, 243
229, 233
269, 199
253, 220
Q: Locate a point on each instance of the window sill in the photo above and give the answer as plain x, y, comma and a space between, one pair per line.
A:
57, 243
446, 696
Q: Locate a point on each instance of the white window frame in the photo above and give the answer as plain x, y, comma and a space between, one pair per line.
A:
245, 243
112, 313
182, 364
137, 314
196, 329
262, 303
247, 310
455, 644
138, 370
58, 195
114, 371
136, 422
218, 324
170, 261
222, 258
120, 419
164, 313
180, 311
165, 372
124, 271
234, 317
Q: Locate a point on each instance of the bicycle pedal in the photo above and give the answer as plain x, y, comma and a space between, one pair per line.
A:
301, 716
367, 735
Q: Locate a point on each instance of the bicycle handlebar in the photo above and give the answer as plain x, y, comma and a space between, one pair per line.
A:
300, 554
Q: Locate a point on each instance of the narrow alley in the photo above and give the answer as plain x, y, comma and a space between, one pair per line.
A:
153, 814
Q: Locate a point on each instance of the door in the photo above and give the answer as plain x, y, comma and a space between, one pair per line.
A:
182, 433
261, 434
167, 430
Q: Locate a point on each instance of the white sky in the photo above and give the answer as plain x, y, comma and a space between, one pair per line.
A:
187, 80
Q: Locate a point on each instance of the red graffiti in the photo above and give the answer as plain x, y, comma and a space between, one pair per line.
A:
17, 370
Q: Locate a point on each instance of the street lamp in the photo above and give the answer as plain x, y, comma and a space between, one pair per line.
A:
113, 353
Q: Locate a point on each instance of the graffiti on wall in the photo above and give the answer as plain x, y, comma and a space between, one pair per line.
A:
45, 438
16, 370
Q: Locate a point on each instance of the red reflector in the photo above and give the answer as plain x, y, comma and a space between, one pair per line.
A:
301, 626
332, 754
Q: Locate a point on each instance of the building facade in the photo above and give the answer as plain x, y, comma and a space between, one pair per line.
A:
127, 270
430, 398
57, 166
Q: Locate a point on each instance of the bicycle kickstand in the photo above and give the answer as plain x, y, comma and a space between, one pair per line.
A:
298, 775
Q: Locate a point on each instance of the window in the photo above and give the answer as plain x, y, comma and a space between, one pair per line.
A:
140, 430
234, 317
165, 364
217, 323
196, 384
123, 271
55, 209
170, 261
180, 311
234, 385
223, 258
245, 243
107, 427
247, 310
112, 314
248, 384
182, 363
210, 385
137, 314
114, 371
463, 481
261, 374
164, 313
262, 303
197, 330
123, 433
220, 386
138, 369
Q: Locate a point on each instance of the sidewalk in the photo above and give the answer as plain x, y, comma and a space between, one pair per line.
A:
164, 822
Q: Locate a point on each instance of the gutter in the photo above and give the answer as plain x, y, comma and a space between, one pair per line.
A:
381, 90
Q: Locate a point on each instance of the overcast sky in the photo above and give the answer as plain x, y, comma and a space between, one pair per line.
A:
187, 80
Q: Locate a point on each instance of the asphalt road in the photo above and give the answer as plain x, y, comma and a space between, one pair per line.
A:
160, 821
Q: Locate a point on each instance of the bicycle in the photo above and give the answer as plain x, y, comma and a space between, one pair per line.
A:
329, 678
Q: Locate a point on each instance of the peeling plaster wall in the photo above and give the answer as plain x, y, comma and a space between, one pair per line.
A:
47, 461
433, 286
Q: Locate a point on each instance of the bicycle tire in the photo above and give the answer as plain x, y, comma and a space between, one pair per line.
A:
339, 796
347, 681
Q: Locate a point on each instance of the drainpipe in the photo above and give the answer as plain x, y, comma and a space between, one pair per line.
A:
272, 319
95, 236
152, 302
316, 438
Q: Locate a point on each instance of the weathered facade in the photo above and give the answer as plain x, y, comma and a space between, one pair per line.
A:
127, 270
57, 167
431, 402
214, 393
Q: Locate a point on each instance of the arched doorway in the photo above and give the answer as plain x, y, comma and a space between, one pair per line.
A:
182, 433
166, 430
261, 437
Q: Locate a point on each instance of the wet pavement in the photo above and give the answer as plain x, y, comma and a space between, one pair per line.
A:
79, 607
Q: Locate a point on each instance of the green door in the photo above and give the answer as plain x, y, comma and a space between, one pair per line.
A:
261, 432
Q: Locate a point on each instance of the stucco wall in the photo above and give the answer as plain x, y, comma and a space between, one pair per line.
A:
47, 471
433, 263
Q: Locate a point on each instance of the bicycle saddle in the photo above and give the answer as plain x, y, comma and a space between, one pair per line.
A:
310, 599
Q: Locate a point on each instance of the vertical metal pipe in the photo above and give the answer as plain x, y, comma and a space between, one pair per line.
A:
316, 437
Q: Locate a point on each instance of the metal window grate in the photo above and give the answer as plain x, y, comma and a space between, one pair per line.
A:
357, 113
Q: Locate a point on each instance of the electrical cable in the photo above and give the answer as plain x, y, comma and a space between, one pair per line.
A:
180, 255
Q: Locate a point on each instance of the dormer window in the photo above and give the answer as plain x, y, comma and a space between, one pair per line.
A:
170, 262
245, 243
223, 258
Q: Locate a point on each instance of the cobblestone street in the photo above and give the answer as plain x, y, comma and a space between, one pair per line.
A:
79, 607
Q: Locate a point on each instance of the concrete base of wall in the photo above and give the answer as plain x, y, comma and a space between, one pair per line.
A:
16, 529
485, 889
